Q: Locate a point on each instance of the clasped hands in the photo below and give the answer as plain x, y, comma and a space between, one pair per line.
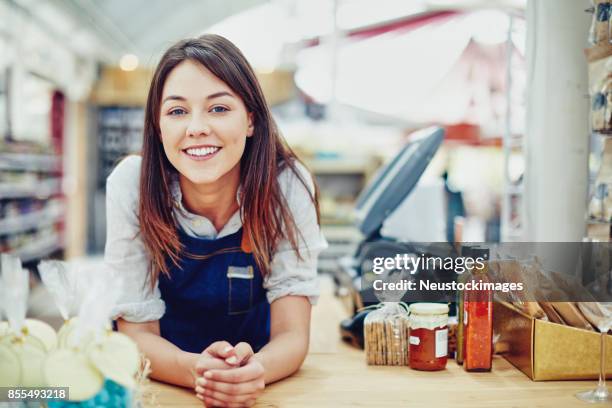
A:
228, 376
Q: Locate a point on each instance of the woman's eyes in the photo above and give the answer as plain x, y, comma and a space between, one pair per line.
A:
177, 111
219, 109
181, 111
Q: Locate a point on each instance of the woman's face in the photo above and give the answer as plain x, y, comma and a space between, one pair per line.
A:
204, 125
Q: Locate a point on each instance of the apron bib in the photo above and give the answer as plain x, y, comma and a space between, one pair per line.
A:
216, 294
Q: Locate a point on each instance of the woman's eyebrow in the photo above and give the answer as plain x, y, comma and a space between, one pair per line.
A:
173, 98
219, 94
211, 96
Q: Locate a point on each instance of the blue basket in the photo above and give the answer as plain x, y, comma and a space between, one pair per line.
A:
112, 395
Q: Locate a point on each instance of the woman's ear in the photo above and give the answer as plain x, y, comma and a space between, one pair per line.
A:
251, 127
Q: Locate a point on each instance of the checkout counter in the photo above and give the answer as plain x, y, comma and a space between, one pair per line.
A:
335, 374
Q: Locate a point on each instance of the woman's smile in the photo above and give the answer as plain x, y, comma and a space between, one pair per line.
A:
201, 152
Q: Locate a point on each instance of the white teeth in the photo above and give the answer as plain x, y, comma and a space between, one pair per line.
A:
202, 151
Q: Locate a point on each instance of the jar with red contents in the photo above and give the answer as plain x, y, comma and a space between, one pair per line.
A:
428, 336
478, 319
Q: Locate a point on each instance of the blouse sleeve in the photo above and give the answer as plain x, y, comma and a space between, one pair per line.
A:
290, 275
124, 252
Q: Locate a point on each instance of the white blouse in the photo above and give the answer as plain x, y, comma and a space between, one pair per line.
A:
125, 252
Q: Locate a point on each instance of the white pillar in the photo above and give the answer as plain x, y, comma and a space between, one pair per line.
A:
557, 120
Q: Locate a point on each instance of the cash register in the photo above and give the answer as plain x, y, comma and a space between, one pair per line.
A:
380, 201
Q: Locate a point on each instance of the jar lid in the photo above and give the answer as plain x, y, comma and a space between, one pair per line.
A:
429, 308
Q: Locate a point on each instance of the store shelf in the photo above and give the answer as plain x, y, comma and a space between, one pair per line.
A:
32, 220
598, 52
591, 221
338, 166
343, 241
40, 248
45, 188
30, 162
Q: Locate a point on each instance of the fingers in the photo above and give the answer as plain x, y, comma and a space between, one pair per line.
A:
242, 374
220, 349
210, 363
229, 388
221, 396
242, 353
211, 402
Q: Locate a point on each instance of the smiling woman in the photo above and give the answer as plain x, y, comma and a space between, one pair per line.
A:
196, 128
215, 229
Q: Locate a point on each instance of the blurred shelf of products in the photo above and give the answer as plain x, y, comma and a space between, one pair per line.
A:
599, 59
85, 112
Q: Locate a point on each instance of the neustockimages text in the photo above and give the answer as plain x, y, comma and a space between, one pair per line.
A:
479, 285
459, 265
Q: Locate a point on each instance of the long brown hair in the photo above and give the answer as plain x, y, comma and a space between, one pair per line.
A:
265, 214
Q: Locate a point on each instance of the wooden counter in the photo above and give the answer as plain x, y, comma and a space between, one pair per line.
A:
335, 375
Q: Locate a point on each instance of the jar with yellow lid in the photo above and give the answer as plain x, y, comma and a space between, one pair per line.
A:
428, 336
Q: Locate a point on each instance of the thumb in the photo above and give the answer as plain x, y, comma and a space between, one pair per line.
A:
242, 353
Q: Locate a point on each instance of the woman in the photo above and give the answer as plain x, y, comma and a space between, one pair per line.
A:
215, 229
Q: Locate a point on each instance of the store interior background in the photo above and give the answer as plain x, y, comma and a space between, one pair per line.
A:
348, 81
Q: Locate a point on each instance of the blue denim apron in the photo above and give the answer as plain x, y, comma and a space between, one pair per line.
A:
217, 294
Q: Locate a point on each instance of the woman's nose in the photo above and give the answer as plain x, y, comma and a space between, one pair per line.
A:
198, 126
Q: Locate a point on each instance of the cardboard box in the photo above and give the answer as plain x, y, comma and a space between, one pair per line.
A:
549, 351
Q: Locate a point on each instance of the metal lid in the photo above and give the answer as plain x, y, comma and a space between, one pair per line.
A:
480, 252
466, 249
395, 181
429, 308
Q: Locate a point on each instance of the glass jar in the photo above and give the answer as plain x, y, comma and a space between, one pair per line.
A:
428, 336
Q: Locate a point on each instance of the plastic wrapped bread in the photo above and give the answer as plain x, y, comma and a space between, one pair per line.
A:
515, 271
15, 283
97, 362
572, 315
598, 314
61, 281
23, 351
551, 313
113, 353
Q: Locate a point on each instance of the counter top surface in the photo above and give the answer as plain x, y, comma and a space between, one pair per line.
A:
336, 375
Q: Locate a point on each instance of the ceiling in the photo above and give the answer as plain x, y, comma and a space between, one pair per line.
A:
108, 29
146, 27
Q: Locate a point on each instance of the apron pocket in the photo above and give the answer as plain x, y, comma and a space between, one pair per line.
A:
240, 293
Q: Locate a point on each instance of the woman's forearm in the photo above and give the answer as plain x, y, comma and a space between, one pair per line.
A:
169, 363
283, 355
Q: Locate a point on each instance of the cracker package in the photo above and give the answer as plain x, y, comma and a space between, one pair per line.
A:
386, 335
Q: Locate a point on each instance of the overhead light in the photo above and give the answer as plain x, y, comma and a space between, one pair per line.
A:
128, 62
